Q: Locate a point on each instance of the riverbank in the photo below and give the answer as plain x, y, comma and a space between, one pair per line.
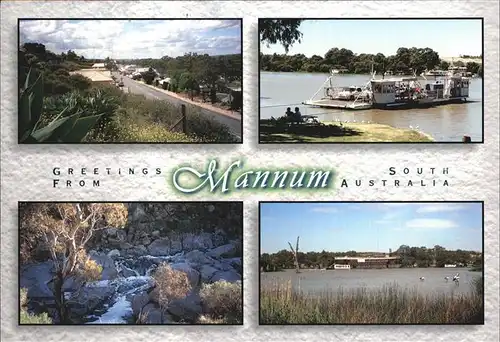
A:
338, 132
279, 304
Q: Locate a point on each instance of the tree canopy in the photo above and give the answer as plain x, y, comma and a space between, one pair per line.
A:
284, 31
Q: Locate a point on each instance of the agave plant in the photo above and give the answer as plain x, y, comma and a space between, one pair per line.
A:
62, 129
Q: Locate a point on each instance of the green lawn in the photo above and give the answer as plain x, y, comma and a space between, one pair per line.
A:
334, 132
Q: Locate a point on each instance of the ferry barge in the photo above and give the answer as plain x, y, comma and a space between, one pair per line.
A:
394, 93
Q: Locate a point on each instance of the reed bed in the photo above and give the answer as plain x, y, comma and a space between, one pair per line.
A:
281, 304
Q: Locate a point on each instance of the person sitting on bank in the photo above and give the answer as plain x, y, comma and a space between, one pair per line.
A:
297, 116
289, 113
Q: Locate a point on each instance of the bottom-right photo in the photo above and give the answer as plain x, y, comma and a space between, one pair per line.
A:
328, 263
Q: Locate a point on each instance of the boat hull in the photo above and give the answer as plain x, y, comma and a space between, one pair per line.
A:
417, 104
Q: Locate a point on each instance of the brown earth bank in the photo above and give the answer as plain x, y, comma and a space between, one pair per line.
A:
197, 247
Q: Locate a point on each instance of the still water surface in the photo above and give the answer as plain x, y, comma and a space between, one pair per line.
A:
444, 123
405, 278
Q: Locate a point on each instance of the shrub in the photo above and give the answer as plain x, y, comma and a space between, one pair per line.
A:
35, 127
26, 317
205, 129
94, 102
170, 284
223, 301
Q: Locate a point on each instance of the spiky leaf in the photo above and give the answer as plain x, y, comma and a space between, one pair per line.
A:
64, 129
81, 128
46, 132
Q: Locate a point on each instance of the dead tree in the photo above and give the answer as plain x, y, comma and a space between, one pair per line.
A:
295, 255
66, 228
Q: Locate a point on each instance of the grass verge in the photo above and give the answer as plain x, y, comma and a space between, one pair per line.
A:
333, 132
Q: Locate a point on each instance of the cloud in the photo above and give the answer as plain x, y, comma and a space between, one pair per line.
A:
438, 207
430, 224
135, 38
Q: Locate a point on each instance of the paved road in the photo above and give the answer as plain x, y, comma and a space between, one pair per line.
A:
234, 125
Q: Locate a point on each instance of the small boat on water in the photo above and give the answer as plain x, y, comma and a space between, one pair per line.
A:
435, 73
395, 93
341, 267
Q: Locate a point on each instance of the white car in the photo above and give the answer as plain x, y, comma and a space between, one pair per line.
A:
350, 93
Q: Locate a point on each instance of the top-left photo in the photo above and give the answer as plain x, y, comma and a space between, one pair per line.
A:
117, 81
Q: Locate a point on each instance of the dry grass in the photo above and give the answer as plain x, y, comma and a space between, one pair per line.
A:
280, 304
170, 284
222, 302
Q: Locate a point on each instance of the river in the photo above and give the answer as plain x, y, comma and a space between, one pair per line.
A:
407, 278
447, 123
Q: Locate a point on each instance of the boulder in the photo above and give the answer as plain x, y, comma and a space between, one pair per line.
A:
229, 276
199, 241
89, 298
125, 246
160, 247
221, 250
223, 266
114, 253
109, 271
139, 250
154, 316
188, 308
197, 257
128, 272
35, 278
234, 262
139, 301
207, 272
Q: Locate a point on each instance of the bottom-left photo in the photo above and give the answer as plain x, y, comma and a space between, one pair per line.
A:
130, 263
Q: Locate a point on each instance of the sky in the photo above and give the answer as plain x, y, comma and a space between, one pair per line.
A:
450, 38
127, 39
370, 227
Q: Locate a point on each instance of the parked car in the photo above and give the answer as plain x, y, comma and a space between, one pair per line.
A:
349, 93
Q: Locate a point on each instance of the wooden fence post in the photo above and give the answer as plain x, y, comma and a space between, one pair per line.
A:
184, 119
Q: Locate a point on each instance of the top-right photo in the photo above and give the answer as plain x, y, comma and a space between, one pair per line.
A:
377, 80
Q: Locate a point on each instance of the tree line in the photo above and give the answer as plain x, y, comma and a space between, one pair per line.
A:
409, 256
406, 61
193, 70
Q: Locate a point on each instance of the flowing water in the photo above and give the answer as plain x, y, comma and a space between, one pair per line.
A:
444, 123
118, 309
373, 279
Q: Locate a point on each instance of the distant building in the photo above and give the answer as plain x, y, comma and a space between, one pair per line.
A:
99, 66
369, 262
96, 76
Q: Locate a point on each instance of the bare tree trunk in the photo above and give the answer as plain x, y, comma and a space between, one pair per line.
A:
59, 298
295, 255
